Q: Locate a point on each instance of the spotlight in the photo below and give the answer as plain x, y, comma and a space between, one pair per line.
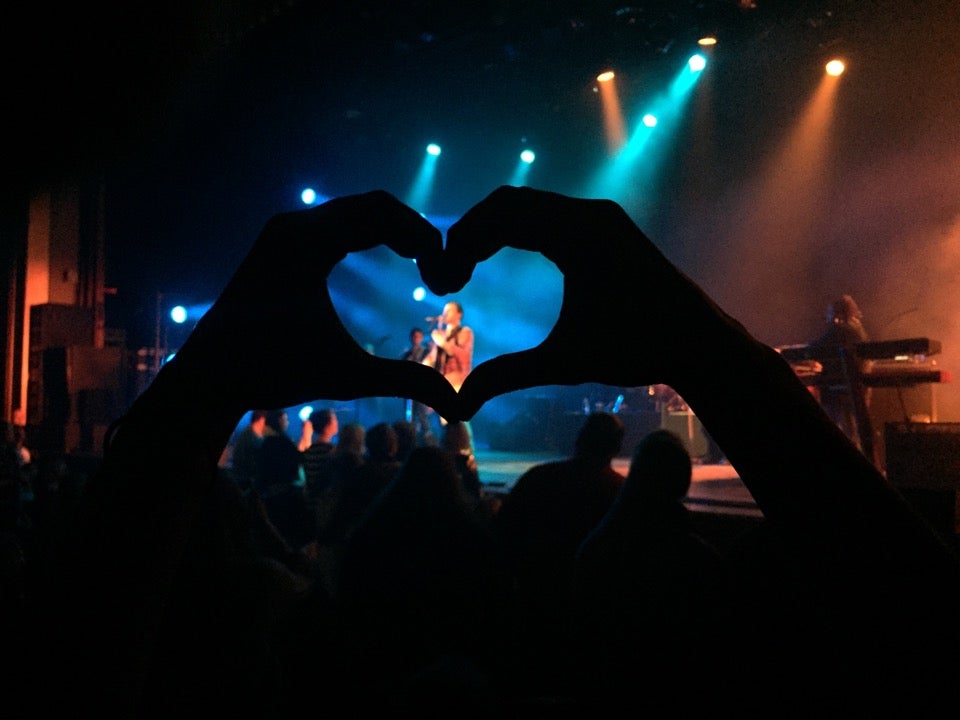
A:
605, 76
697, 63
650, 120
419, 294
305, 413
433, 149
835, 67
308, 196
707, 41
179, 314
528, 156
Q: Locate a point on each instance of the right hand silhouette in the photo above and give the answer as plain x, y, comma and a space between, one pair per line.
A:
651, 318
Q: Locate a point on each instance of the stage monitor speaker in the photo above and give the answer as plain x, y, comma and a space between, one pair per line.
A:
923, 463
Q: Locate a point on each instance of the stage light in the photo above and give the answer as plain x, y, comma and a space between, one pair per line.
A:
623, 174
309, 196
697, 63
707, 41
835, 67
522, 168
305, 413
179, 314
419, 194
613, 123
419, 294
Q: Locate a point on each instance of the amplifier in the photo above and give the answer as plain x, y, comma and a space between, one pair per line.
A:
923, 463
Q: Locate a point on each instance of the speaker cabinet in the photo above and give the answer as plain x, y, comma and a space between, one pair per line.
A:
687, 426
913, 404
923, 463
53, 325
74, 392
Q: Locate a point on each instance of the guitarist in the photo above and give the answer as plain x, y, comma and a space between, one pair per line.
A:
425, 354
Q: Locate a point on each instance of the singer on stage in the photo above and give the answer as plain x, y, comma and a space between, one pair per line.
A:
454, 344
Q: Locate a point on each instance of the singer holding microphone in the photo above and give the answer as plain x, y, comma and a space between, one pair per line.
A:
454, 344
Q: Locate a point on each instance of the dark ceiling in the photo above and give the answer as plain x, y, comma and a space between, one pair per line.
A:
96, 81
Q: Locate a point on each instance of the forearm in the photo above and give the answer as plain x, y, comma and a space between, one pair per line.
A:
161, 461
786, 450
800, 468
136, 517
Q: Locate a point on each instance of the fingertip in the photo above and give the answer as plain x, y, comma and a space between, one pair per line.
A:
442, 273
500, 375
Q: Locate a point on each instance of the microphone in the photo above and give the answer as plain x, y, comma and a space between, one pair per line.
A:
434, 318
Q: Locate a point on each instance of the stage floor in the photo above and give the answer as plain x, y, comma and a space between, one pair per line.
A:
716, 488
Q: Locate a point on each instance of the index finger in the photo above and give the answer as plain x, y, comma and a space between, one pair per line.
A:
371, 219
563, 229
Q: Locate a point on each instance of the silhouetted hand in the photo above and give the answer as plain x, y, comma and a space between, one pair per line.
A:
273, 337
629, 317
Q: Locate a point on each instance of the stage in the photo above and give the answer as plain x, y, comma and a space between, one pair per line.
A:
721, 507
716, 488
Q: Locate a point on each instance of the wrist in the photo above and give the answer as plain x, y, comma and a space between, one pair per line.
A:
191, 403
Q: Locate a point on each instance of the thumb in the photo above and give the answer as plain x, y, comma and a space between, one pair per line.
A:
507, 373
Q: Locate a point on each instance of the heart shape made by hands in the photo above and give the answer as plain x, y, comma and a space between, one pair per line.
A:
610, 272
612, 275
511, 301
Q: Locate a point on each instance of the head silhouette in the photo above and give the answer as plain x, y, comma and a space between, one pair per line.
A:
660, 468
600, 438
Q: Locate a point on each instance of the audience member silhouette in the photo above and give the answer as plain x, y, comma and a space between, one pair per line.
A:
541, 523
280, 489
324, 426
381, 463
406, 432
423, 590
651, 595
338, 471
14, 538
336, 506
245, 458
873, 628
458, 439
278, 422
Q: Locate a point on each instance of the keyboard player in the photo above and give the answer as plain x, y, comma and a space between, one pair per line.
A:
834, 349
